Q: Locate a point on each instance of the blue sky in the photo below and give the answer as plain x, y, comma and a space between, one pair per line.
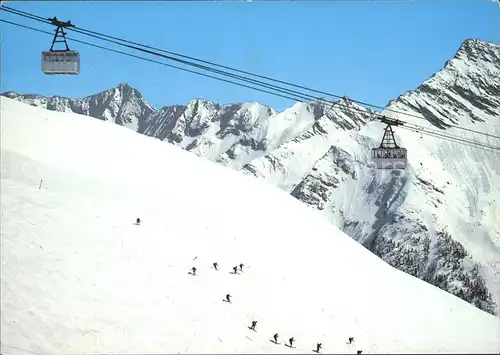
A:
371, 52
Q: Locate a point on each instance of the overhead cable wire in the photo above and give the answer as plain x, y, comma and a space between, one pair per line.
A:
137, 46
455, 139
440, 134
149, 60
298, 96
310, 97
89, 33
22, 13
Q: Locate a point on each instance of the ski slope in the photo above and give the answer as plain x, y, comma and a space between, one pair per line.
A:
78, 276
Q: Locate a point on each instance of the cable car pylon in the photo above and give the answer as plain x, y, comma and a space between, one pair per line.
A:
60, 61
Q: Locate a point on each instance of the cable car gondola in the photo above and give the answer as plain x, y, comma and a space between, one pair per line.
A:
389, 155
62, 62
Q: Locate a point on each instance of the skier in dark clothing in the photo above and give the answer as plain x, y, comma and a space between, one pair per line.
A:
138, 221
275, 336
215, 265
228, 298
235, 269
351, 340
241, 267
193, 271
318, 346
360, 351
254, 323
291, 340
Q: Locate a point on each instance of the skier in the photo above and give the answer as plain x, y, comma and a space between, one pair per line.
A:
291, 340
215, 266
254, 323
351, 339
235, 269
138, 221
241, 267
193, 271
228, 298
275, 336
360, 351
318, 346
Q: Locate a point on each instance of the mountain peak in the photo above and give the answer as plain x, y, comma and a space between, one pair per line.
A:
475, 42
123, 85
468, 84
475, 50
126, 90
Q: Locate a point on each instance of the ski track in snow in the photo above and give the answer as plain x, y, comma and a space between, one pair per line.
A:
79, 277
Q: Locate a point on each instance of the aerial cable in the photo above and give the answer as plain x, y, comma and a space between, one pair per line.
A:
302, 96
450, 125
294, 98
440, 134
425, 130
421, 129
25, 14
103, 37
452, 138
297, 96
280, 89
150, 60
437, 134
431, 130
457, 140
90, 33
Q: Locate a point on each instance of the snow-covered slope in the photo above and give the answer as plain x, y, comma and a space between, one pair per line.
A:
79, 277
437, 220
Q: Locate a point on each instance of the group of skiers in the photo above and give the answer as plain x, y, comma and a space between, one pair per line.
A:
254, 323
216, 265
292, 340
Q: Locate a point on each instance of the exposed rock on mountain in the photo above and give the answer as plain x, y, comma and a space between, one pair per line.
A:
122, 105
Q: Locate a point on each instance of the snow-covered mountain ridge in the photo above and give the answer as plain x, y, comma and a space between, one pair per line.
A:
122, 105
437, 220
